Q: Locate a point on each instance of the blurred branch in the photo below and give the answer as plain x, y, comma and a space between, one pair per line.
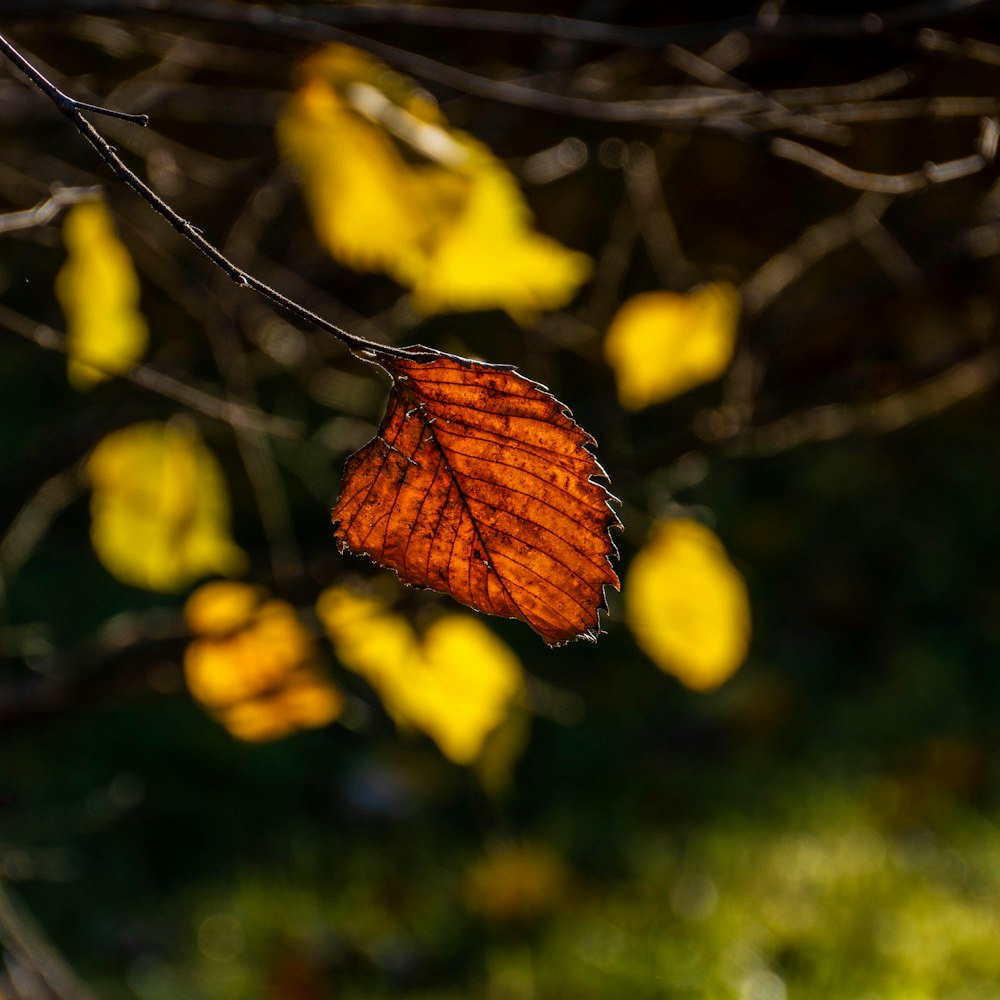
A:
729, 107
644, 187
254, 448
236, 414
796, 27
119, 655
931, 40
817, 242
930, 173
33, 520
35, 970
45, 211
891, 413
71, 109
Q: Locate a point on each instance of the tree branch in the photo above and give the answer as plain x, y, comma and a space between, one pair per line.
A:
147, 377
71, 109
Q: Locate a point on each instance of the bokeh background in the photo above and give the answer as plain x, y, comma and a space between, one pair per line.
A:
823, 824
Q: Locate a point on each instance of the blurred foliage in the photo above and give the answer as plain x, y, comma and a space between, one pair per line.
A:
253, 665
821, 824
453, 226
454, 682
687, 605
98, 290
661, 344
159, 507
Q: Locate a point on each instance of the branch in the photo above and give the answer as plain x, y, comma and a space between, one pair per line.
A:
862, 180
817, 242
45, 211
72, 110
790, 27
150, 378
881, 416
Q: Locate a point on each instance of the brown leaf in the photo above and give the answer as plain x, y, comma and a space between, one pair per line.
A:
479, 484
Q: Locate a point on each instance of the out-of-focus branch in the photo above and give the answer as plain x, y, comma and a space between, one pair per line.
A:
881, 416
72, 110
116, 658
45, 211
774, 26
33, 520
931, 40
35, 970
147, 377
817, 242
930, 173
645, 192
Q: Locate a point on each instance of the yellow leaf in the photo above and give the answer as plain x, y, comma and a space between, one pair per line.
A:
515, 883
392, 188
489, 256
370, 209
687, 605
455, 683
661, 344
98, 291
159, 509
253, 666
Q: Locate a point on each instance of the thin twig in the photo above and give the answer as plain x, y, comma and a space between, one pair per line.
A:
71, 109
26, 943
881, 416
254, 447
817, 242
45, 211
645, 192
963, 48
33, 520
776, 26
152, 379
862, 180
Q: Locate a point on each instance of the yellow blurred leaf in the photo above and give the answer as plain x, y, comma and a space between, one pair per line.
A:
687, 605
159, 509
98, 291
502, 749
661, 344
253, 666
454, 683
392, 188
515, 882
489, 256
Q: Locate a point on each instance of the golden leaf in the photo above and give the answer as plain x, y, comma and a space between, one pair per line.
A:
515, 882
455, 683
98, 291
490, 256
661, 344
481, 485
253, 666
392, 188
159, 509
687, 605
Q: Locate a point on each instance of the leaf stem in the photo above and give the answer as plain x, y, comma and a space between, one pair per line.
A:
73, 110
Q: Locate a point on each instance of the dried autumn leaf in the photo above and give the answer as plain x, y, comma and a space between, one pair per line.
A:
98, 291
159, 508
481, 485
661, 344
687, 605
455, 682
253, 666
